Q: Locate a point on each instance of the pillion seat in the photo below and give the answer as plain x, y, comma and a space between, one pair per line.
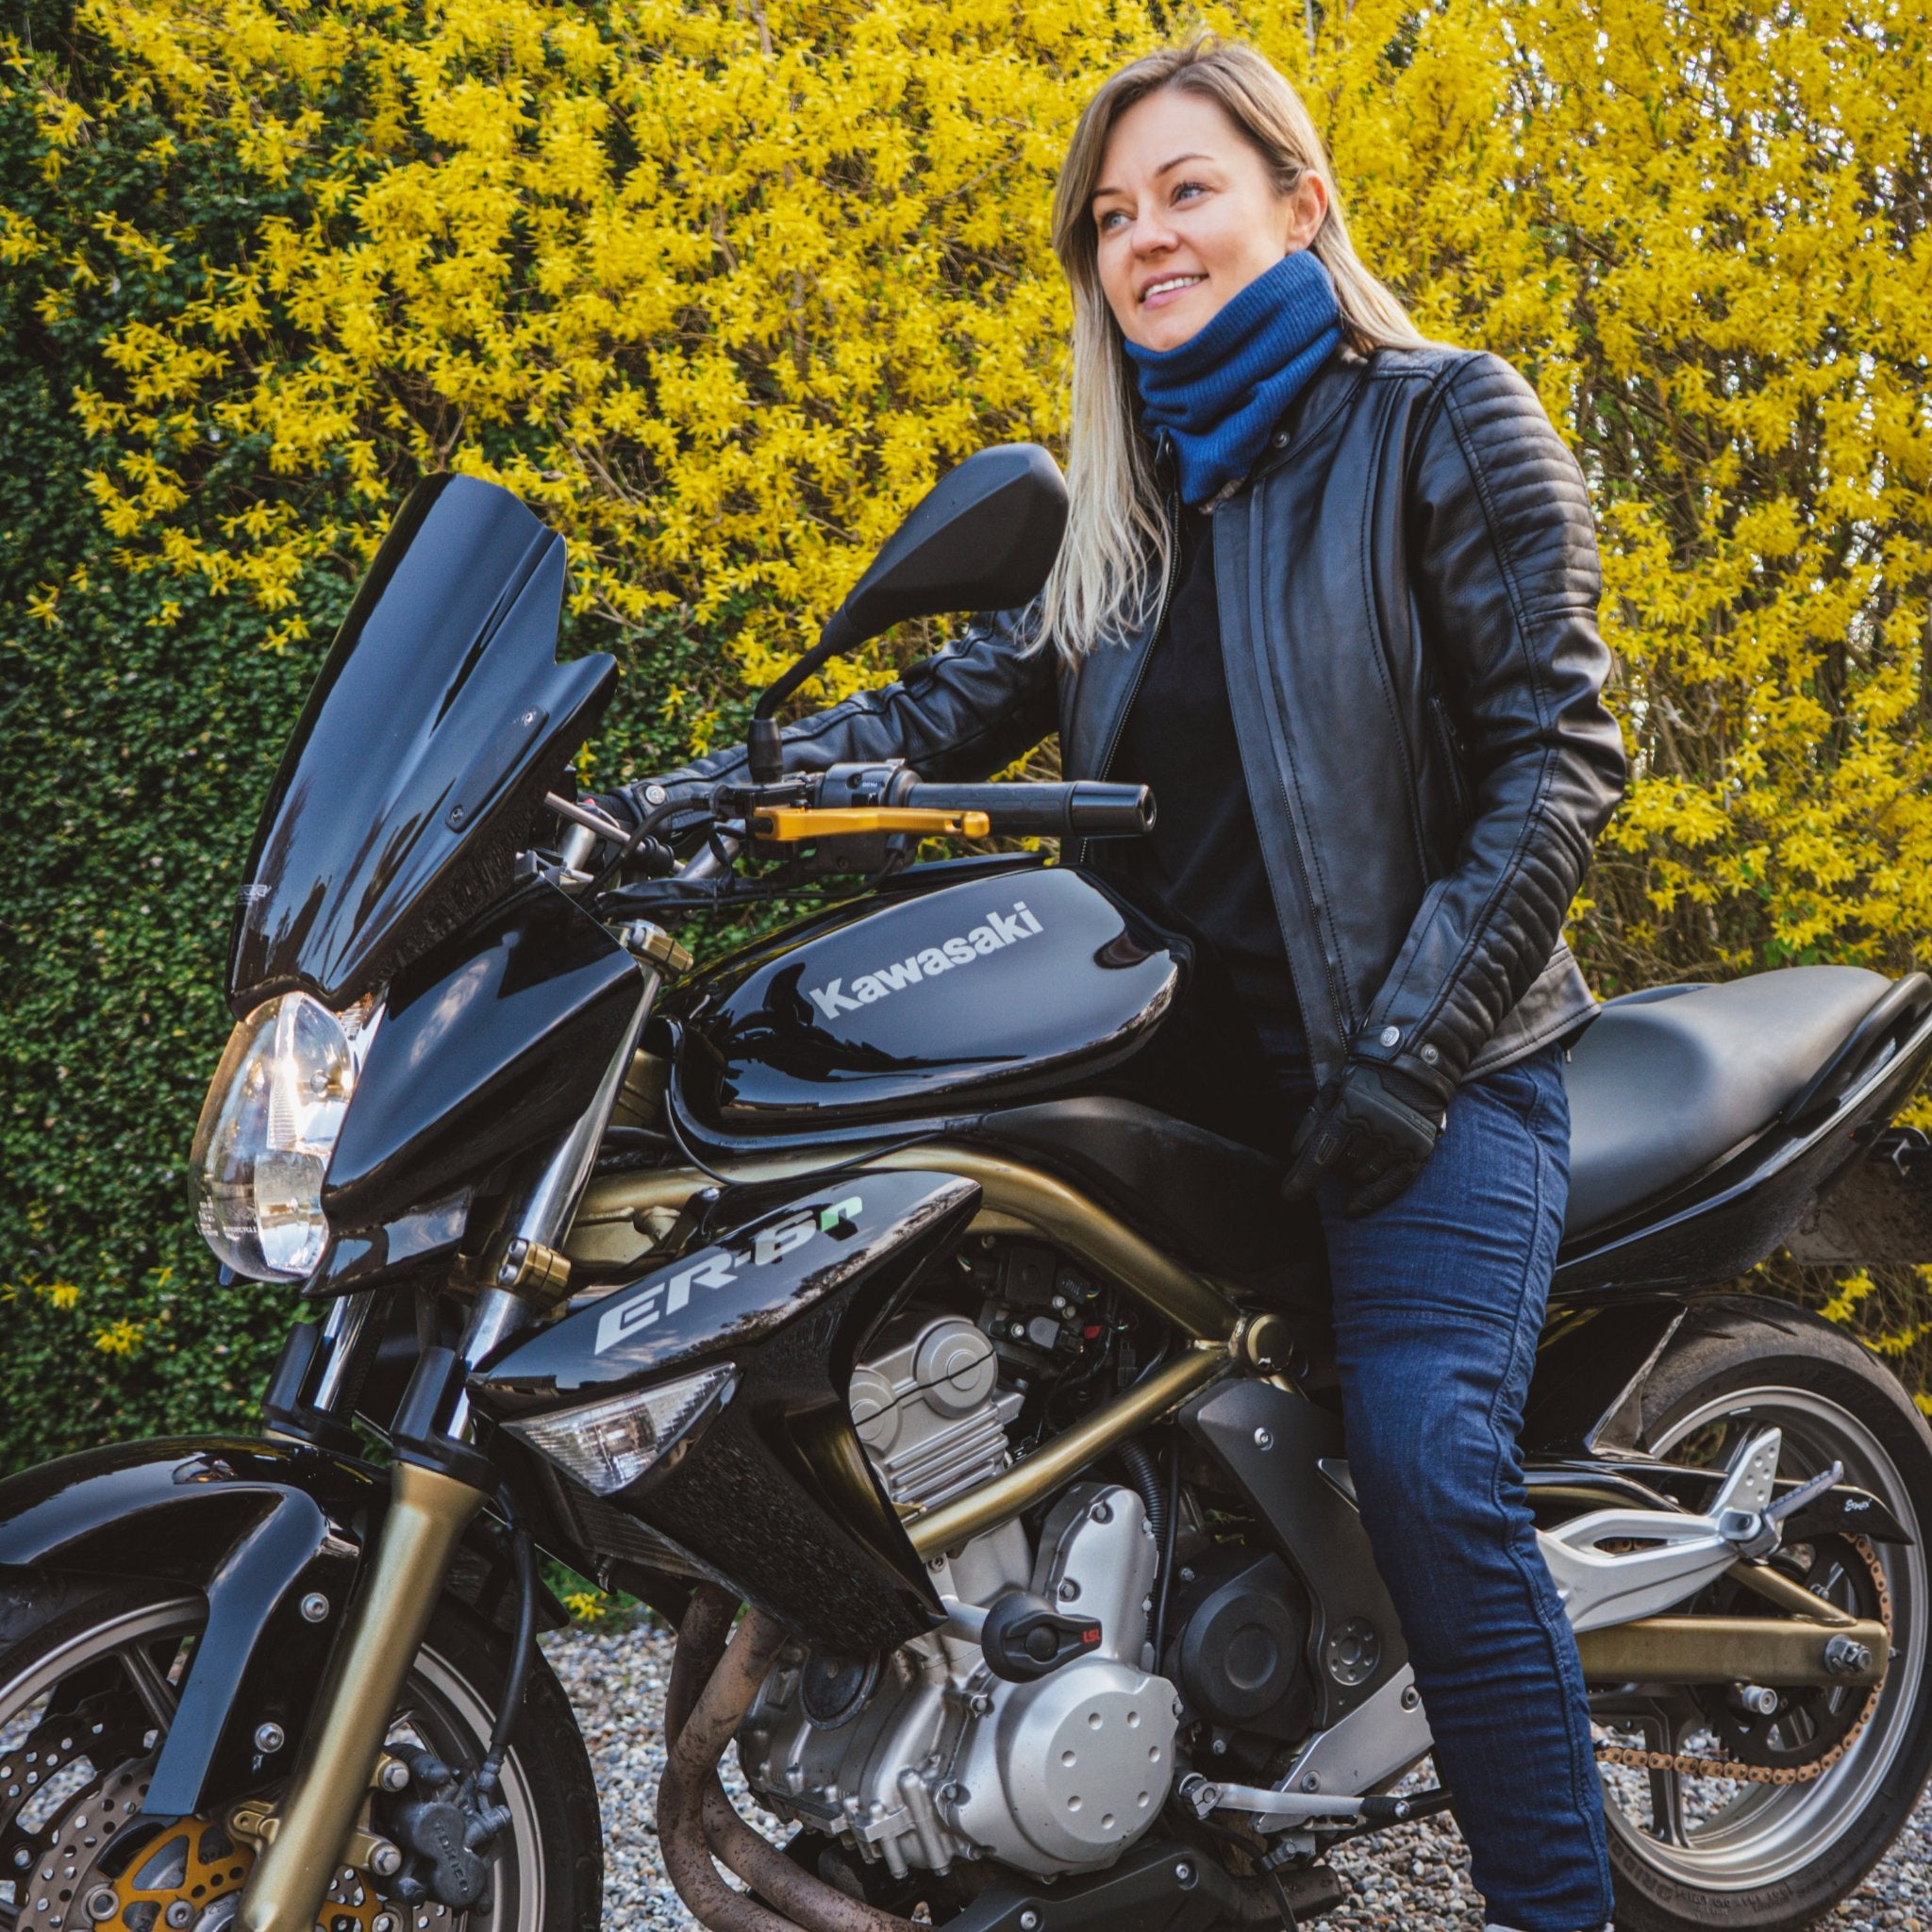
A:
1665, 1082
1662, 1084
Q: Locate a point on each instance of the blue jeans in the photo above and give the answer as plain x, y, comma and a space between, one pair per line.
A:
1439, 1300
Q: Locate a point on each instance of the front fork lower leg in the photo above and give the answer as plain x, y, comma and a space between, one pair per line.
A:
428, 1515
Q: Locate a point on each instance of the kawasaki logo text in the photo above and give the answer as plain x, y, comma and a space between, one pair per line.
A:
1000, 930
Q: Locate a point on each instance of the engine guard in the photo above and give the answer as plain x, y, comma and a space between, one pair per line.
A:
274, 1535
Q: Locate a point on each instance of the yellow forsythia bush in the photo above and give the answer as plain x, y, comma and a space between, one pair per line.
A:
720, 286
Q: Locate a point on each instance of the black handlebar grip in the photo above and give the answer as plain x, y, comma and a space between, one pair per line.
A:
1111, 812
1085, 808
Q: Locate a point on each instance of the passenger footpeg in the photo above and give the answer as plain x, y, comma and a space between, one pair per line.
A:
1614, 1566
1757, 1532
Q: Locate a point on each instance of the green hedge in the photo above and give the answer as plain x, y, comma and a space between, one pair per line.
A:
141, 722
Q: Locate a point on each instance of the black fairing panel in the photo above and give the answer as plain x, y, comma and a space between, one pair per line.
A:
775, 1493
492, 1042
418, 765
914, 1002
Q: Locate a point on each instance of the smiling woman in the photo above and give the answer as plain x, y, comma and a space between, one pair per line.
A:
1188, 180
1178, 238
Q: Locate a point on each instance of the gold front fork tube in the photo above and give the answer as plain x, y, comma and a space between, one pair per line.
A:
426, 1517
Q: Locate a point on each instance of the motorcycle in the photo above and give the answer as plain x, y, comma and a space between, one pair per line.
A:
912, 1278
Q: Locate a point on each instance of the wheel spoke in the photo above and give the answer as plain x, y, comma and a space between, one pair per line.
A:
153, 1689
1667, 1808
1663, 1727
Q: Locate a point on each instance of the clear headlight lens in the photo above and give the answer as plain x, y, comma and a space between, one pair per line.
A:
269, 1125
607, 1445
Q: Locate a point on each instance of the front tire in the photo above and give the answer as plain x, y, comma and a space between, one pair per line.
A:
1696, 1852
85, 1694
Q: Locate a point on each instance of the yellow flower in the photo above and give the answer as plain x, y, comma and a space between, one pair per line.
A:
120, 1336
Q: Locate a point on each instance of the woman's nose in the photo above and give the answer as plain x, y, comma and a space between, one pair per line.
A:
1152, 236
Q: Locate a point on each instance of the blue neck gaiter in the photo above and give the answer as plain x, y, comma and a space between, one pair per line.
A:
1219, 394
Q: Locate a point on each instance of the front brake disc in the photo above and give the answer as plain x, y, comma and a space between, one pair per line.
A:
186, 1878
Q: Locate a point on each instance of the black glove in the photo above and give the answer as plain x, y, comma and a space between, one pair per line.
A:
1372, 1124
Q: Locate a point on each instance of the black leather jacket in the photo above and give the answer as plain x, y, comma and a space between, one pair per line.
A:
1407, 584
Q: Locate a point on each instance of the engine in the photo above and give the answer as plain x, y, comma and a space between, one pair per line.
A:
925, 1756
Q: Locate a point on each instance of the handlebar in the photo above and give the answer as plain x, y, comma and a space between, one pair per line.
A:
1085, 808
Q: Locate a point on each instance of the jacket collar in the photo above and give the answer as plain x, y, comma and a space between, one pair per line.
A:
1329, 389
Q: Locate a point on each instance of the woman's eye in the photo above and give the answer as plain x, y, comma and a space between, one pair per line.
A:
1107, 218
1189, 188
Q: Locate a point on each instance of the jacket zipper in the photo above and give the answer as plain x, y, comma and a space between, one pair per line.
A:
1167, 581
1451, 749
1167, 577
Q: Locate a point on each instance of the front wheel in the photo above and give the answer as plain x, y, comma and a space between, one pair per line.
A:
1826, 1780
87, 1693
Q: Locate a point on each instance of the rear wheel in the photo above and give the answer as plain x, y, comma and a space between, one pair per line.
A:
1839, 1769
86, 1694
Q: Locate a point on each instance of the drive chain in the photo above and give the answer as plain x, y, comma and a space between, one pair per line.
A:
1735, 1769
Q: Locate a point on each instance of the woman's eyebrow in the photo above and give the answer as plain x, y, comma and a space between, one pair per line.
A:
1166, 167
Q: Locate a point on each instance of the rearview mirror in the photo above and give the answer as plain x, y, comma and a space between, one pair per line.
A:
983, 538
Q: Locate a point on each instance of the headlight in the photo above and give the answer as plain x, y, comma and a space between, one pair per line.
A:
267, 1130
607, 1445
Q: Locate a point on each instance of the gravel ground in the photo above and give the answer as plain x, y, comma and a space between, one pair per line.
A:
1415, 1877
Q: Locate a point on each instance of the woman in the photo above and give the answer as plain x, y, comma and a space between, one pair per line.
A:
1331, 591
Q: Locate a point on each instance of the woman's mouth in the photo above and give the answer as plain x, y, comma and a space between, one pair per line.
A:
1167, 288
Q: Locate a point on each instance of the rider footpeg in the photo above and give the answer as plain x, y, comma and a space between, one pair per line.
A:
1025, 1637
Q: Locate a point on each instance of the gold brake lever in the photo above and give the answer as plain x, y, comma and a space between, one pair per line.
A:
790, 824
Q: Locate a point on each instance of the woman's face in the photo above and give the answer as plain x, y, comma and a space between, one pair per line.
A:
1186, 216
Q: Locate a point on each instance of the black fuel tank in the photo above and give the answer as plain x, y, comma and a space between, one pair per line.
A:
914, 1002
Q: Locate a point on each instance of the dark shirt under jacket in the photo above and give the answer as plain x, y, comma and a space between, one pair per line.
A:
1203, 860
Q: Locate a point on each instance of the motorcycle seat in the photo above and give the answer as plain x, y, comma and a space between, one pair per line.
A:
1664, 1083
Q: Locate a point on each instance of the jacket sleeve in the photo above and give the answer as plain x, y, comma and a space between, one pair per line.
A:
1502, 563
956, 718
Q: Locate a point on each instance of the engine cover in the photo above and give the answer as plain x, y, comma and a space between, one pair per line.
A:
1066, 1770
1239, 1653
1070, 1769
945, 1760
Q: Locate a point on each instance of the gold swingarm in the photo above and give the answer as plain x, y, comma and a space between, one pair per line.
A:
1774, 1651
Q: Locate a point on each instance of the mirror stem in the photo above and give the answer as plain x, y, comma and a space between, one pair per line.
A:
764, 742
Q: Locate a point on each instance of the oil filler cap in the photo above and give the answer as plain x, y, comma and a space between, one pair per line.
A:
1025, 1637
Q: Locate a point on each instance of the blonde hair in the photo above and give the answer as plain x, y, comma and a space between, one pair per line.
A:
1116, 546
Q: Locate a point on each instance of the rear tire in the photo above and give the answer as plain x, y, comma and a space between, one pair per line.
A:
1767, 1858
85, 1676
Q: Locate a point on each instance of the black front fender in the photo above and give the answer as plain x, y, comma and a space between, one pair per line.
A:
271, 1533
